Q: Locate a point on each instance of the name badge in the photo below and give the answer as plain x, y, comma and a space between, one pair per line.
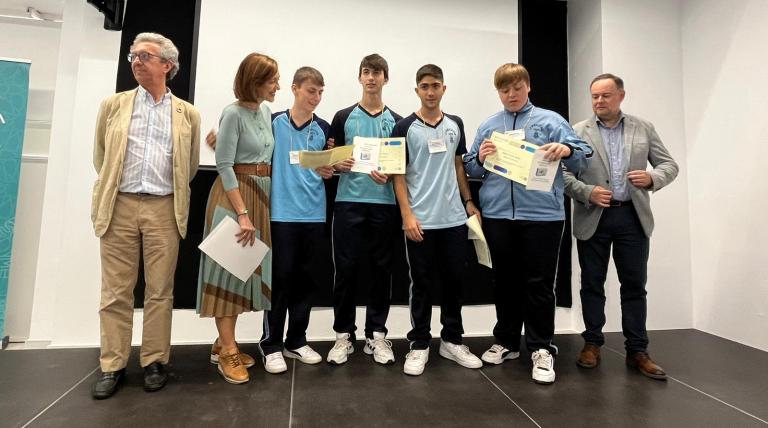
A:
517, 134
436, 146
294, 157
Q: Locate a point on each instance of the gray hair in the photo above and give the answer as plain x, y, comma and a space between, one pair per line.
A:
168, 50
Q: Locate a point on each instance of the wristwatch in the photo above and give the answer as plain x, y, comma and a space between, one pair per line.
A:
245, 212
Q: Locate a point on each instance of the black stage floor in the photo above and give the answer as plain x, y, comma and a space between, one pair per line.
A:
713, 383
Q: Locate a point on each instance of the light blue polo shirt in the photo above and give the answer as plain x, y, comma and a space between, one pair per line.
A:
298, 194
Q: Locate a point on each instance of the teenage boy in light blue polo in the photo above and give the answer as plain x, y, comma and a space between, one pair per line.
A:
364, 222
434, 200
298, 223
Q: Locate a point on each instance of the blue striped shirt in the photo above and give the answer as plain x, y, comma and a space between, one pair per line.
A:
148, 163
613, 140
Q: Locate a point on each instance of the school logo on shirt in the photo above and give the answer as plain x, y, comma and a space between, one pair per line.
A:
538, 132
451, 136
387, 124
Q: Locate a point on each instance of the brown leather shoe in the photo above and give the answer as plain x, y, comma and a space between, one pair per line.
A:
246, 359
589, 357
642, 362
232, 368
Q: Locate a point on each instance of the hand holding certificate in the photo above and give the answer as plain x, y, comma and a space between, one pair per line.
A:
521, 162
383, 155
316, 159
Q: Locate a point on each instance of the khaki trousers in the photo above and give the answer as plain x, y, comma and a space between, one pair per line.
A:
137, 221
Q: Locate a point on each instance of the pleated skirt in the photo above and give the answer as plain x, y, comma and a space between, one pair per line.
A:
219, 293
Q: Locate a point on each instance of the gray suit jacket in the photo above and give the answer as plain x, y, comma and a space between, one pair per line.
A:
642, 145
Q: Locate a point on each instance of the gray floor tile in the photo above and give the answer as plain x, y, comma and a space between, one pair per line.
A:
195, 395
32, 379
363, 393
732, 372
609, 395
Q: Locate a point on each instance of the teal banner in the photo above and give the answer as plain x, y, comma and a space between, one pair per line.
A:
14, 89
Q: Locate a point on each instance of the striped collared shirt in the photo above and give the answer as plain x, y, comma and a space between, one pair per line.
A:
148, 163
613, 140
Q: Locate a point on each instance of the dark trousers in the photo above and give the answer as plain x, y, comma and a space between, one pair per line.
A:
620, 227
524, 256
295, 247
354, 223
441, 258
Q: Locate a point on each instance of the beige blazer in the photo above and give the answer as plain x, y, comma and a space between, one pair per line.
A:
642, 146
109, 148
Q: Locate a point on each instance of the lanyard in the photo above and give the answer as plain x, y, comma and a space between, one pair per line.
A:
437, 128
379, 129
525, 125
309, 130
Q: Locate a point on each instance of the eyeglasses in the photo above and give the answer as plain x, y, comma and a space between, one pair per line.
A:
143, 56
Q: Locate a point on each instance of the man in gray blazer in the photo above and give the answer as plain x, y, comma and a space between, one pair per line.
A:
612, 208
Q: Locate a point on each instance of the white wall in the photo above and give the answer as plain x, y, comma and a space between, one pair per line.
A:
39, 44
726, 100
26, 238
67, 282
585, 53
641, 42
463, 38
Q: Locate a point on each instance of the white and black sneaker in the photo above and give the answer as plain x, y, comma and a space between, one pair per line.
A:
460, 354
497, 354
380, 348
543, 367
341, 349
305, 354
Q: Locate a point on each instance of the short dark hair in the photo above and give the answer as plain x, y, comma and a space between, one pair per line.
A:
374, 62
616, 79
429, 70
308, 73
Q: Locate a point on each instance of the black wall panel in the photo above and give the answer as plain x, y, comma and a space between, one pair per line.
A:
176, 20
544, 52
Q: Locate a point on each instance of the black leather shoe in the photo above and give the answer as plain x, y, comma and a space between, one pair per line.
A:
155, 377
107, 383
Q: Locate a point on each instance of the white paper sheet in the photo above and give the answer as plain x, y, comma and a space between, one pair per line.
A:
366, 154
478, 239
221, 245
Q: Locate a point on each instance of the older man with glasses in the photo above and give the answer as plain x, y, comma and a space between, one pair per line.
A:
146, 151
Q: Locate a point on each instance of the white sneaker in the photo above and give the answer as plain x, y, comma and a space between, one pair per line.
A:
543, 367
274, 363
342, 348
496, 354
305, 354
380, 348
415, 361
460, 354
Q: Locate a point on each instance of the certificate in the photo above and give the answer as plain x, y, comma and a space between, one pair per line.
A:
392, 156
385, 155
222, 246
315, 159
542, 173
522, 162
478, 239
